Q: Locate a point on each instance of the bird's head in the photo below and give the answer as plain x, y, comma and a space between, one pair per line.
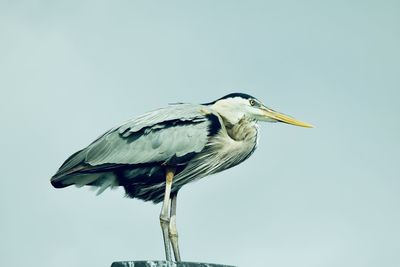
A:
237, 106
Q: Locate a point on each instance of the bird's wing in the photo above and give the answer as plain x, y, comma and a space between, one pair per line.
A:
169, 135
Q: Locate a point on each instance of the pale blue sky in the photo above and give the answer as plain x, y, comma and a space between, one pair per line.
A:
327, 196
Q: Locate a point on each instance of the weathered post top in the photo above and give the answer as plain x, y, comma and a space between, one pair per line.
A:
164, 264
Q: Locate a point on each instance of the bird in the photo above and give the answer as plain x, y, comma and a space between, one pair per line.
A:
154, 155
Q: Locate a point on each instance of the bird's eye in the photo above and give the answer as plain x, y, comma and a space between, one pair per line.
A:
252, 102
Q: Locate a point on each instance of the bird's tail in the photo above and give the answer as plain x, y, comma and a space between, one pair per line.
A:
70, 167
102, 180
74, 171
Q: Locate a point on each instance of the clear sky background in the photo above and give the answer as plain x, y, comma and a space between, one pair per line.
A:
328, 196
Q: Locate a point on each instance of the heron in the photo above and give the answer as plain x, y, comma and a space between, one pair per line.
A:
154, 155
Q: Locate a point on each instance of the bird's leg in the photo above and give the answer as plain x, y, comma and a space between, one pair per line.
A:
164, 215
173, 233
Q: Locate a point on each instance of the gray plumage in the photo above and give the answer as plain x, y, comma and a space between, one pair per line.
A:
190, 137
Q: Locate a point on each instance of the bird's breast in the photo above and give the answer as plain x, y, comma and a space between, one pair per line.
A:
230, 147
220, 153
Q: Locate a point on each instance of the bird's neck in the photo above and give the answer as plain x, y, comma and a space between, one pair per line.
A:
245, 130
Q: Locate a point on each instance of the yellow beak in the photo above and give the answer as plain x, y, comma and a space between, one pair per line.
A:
272, 114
